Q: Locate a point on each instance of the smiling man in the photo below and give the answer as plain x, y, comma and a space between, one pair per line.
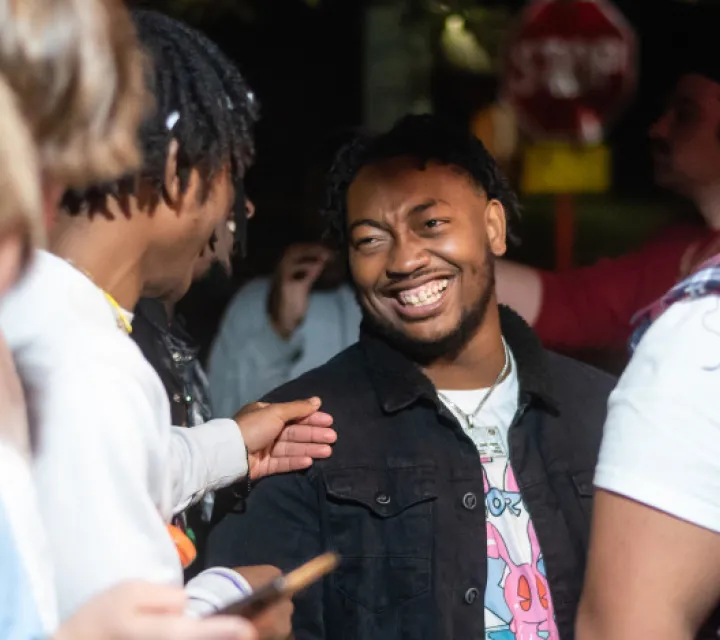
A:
463, 470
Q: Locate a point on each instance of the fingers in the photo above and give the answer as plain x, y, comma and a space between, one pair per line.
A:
306, 433
150, 597
301, 450
317, 419
312, 273
301, 251
183, 628
275, 622
308, 416
286, 465
251, 408
295, 411
258, 576
143, 611
304, 262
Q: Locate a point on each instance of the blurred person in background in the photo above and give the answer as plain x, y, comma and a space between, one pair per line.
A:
593, 307
69, 111
27, 597
277, 328
112, 472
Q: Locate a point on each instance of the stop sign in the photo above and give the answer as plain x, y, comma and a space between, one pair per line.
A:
570, 68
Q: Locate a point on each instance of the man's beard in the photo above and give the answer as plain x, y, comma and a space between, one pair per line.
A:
448, 347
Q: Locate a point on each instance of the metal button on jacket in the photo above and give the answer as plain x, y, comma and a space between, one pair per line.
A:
471, 595
382, 498
469, 501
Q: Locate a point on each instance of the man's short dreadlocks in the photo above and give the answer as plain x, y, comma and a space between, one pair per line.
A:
201, 100
425, 138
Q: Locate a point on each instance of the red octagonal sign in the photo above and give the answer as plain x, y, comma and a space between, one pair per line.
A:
570, 68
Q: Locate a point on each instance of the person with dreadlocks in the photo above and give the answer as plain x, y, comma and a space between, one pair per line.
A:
465, 451
160, 331
112, 471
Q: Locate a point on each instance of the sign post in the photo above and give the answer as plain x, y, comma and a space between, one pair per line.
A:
569, 72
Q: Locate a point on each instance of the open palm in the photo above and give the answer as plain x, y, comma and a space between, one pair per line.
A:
285, 436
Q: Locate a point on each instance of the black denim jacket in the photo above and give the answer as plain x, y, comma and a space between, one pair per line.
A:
401, 498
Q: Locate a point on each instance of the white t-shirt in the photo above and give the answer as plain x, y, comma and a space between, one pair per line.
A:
661, 444
517, 597
110, 470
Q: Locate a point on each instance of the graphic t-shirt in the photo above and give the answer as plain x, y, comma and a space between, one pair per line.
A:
517, 597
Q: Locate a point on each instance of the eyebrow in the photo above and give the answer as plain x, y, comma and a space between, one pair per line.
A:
424, 206
366, 222
418, 208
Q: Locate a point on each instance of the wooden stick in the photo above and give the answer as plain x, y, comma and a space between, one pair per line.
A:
283, 587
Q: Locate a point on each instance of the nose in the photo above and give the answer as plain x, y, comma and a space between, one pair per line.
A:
249, 208
406, 257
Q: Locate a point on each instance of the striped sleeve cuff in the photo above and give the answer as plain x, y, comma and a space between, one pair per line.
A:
213, 589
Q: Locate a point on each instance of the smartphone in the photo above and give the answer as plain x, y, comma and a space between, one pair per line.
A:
285, 586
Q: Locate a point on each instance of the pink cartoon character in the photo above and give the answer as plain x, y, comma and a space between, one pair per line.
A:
526, 590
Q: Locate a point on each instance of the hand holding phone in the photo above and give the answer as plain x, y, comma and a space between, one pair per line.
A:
274, 622
285, 586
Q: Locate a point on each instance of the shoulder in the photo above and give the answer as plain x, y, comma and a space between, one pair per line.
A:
581, 394
571, 377
60, 364
666, 409
684, 341
343, 375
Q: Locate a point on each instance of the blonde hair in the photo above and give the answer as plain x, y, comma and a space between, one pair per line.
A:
21, 200
77, 72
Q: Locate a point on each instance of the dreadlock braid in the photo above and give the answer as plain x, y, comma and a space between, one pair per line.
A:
201, 101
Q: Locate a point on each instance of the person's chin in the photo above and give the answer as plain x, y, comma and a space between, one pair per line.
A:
427, 332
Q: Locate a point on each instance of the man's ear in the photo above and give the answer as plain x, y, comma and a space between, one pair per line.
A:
172, 180
496, 227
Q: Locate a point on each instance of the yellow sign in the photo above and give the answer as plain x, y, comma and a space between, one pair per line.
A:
556, 167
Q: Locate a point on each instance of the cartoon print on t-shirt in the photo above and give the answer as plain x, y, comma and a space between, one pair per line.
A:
517, 597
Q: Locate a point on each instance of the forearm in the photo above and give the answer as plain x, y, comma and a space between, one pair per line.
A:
519, 287
205, 458
595, 622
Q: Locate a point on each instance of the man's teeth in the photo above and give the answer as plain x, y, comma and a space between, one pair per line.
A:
426, 294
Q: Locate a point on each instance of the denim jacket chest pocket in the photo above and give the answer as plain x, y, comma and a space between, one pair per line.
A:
381, 522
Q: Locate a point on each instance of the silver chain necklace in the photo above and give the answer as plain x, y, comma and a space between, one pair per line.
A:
470, 417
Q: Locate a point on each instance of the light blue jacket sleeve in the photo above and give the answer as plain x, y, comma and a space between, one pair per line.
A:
248, 359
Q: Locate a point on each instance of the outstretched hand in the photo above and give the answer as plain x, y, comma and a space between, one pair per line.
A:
285, 436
